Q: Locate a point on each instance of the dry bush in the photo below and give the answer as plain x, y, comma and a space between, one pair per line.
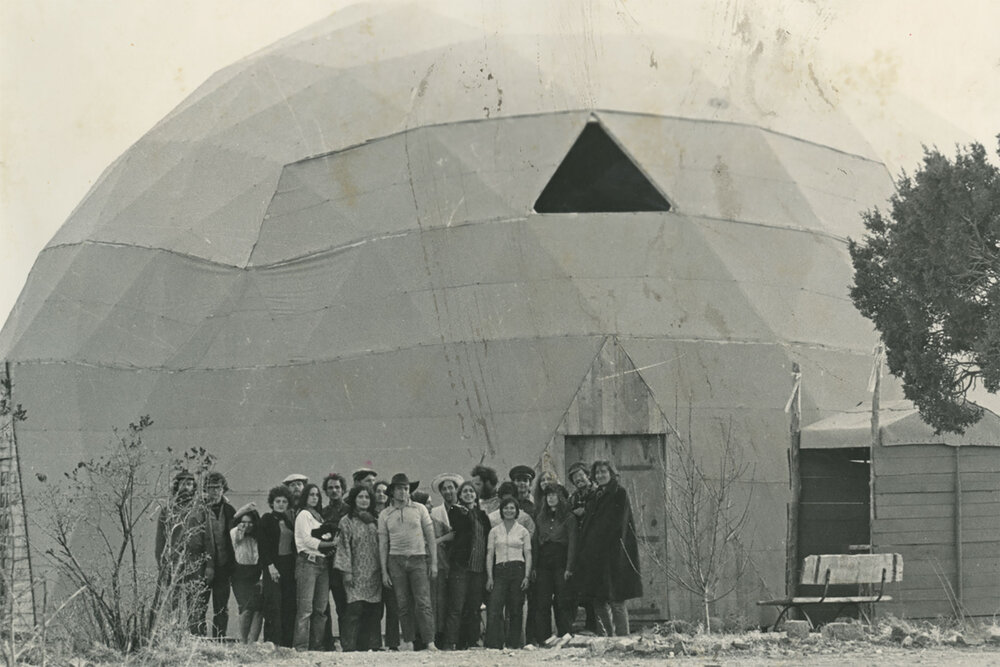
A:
708, 519
98, 518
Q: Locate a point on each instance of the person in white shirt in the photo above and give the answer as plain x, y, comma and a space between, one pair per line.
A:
508, 573
312, 582
523, 518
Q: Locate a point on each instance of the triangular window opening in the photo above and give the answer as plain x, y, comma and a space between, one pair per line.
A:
596, 176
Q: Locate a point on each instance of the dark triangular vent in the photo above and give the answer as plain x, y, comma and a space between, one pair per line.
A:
597, 177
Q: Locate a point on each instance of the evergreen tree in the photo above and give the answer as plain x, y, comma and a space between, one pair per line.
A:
927, 273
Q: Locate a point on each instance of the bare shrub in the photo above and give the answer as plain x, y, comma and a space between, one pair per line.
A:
708, 551
98, 517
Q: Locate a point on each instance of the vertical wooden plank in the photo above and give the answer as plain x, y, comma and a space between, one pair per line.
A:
795, 488
958, 526
584, 400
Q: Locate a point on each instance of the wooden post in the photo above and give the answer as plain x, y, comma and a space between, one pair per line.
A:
876, 390
876, 437
958, 527
795, 485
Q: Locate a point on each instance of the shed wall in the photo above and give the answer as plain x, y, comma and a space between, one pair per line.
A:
916, 515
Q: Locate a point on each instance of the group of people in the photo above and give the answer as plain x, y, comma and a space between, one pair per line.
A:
383, 552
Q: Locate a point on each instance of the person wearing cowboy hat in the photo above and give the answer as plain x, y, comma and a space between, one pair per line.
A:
409, 558
446, 484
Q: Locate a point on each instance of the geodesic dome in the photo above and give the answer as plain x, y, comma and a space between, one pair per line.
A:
336, 253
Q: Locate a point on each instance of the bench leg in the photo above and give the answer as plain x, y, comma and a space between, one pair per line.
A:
784, 611
781, 617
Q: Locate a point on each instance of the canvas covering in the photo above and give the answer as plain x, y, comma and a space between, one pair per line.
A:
327, 257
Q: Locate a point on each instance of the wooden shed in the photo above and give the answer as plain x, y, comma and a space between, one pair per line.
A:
935, 499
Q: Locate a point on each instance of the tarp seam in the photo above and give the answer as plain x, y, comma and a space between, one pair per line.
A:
361, 354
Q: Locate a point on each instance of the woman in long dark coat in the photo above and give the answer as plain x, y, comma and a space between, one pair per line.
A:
277, 558
608, 563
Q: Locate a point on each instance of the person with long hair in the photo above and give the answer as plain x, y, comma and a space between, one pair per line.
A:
608, 563
508, 572
311, 575
358, 562
277, 559
381, 489
467, 569
554, 549
246, 571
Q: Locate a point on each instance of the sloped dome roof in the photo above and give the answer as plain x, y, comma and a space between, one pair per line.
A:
389, 120
201, 181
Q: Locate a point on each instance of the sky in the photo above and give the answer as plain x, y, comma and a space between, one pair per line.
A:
81, 81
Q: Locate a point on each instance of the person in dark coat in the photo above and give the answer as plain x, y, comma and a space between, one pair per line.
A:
335, 488
608, 563
184, 551
467, 569
220, 518
277, 557
583, 489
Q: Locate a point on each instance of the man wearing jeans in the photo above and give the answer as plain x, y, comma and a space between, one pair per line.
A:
409, 559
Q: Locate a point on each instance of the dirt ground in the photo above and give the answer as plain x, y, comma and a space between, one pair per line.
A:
745, 649
566, 657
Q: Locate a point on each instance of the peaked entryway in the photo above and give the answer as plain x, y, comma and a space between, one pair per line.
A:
597, 176
614, 416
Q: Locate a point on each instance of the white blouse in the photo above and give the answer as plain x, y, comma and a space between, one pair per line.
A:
305, 523
509, 546
245, 548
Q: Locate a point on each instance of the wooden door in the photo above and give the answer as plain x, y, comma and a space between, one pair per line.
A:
640, 460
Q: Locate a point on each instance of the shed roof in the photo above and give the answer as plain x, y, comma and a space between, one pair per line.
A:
899, 424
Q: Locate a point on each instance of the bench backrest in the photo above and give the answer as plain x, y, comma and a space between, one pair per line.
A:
852, 569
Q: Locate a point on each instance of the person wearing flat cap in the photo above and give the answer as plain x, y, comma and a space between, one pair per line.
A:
295, 483
364, 477
408, 557
522, 476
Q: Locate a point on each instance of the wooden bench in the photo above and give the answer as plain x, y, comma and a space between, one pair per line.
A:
840, 569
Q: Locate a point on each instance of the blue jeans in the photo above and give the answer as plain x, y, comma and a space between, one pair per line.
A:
504, 610
411, 582
312, 583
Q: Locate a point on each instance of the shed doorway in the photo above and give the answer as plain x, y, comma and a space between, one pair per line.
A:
640, 460
834, 512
